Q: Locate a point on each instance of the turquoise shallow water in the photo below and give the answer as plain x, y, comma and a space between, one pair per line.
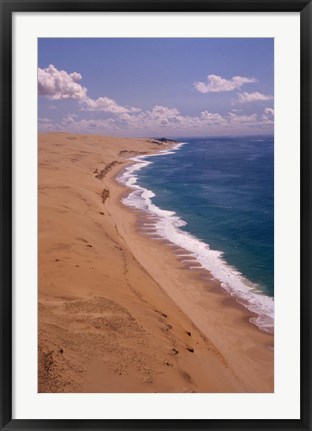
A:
219, 192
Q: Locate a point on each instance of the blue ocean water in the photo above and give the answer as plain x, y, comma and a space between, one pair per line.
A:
220, 193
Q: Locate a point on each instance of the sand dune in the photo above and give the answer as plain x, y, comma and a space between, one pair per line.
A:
109, 319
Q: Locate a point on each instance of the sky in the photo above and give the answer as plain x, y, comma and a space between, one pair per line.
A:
186, 87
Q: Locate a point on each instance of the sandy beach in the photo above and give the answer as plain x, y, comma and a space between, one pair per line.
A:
120, 310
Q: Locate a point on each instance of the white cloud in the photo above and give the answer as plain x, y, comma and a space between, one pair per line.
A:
167, 121
253, 97
70, 124
269, 111
212, 118
243, 119
217, 84
164, 115
159, 116
267, 117
57, 84
122, 120
105, 104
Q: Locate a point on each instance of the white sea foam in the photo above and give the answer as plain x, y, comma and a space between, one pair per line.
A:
167, 225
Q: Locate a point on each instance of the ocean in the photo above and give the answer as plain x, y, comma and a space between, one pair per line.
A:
215, 198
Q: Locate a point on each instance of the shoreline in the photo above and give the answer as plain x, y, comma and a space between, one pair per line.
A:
210, 292
127, 177
109, 319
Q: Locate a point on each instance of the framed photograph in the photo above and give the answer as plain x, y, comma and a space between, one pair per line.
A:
155, 215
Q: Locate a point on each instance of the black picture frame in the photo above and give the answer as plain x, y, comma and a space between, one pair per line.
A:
7, 10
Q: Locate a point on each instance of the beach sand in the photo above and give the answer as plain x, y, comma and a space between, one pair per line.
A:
118, 309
